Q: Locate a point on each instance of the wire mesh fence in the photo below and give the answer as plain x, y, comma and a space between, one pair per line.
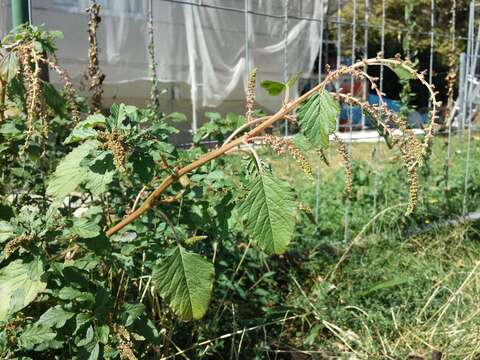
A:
297, 36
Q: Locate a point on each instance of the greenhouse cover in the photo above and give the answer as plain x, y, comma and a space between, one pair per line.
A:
208, 46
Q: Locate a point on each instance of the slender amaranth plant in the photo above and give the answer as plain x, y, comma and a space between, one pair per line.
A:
24, 53
314, 103
94, 72
451, 79
154, 90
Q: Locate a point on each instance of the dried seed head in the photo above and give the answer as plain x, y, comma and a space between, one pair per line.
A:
125, 344
251, 94
94, 72
305, 208
69, 89
282, 145
347, 181
115, 142
30, 70
36, 109
15, 243
126, 352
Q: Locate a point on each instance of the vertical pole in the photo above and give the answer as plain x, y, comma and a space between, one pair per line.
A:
426, 167
20, 12
451, 103
365, 45
462, 86
320, 67
376, 153
467, 167
470, 85
382, 42
192, 61
194, 107
346, 234
432, 42
339, 47
320, 47
285, 53
471, 25
473, 67
247, 45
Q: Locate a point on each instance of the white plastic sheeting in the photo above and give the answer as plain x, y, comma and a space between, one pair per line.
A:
4, 16
197, 43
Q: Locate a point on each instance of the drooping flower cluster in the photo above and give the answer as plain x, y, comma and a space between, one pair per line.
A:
286, 145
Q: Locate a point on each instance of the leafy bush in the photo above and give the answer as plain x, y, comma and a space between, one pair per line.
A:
110, 233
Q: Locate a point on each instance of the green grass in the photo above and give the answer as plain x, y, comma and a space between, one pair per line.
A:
395, 297
400, 286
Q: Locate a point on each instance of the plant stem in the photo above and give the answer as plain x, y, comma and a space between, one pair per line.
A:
150, 201
3, 88
281, 114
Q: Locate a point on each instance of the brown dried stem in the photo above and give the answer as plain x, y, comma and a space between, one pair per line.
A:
451, 77
3, 93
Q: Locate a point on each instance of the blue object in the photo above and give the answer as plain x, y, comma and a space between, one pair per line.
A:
391, 104
356, 114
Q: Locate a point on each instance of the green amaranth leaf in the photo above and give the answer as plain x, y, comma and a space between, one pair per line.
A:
56, 34
118, 113
85, 129
6, 231
292, 80
53, 98
177, 117
69, 173
184, 279
97, 182
102, 332
34, 335
318, 118
88, 339
9, 66
402, 72
234, 120
302, 143
82, 319
69, 293
100, 171
85, 228
20, 284
132, 312
54, 317
95, 352
274, 88
269, 210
